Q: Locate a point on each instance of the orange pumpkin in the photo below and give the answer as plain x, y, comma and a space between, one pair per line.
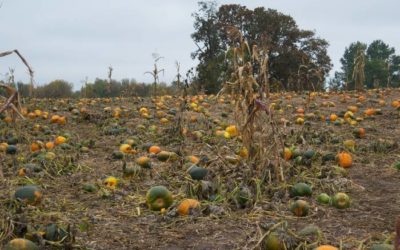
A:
32, 115
395, 104
60, 140
359, 133
187, 205
353, 109
35, 147
345, 160
49, 145
62, 120
127, 149
370, 112
287, 154
54, 119
192, 159
326, 247
154, 149
232, 130
8, 119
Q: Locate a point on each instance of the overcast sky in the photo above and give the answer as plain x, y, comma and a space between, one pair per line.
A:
74, 39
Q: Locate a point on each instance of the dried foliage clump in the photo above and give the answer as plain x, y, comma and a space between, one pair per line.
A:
358, 72
249, 89
13, 100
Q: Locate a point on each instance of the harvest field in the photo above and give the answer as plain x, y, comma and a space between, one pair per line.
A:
69, 148
246, 130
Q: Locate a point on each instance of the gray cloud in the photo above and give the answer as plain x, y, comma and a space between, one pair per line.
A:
74, 39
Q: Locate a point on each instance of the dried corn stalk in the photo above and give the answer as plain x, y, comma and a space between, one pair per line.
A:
260, 133
12, 102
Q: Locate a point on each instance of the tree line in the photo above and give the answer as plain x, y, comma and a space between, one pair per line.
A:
100, 88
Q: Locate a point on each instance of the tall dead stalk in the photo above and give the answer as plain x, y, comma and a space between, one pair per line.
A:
260, 134
12, 102
155, 72
358, 71
24, 61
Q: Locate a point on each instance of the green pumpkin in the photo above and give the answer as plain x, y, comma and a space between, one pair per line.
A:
324, 198
130, 170
90, 188
243, 196
158, 197
21, 244
273, 242
167, 156
328, 157
29, 194
300, 208
300, 189
295, 152
65, 146
197, 173
341, 200
11, 149
12, 140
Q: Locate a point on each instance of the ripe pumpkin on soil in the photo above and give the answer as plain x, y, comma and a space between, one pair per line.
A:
126, 149
3, 147
21, 244
287, 154
60, 140
154, 149
333, 117
192, 159
359, 133
49, 145
54, 119
232, 130
35, 147
187, 205
273, 242
111, 182
62, 120
144, 162
345, 160
300, 208
395, 104
370, 112
158, 197
326, 247
29, 194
